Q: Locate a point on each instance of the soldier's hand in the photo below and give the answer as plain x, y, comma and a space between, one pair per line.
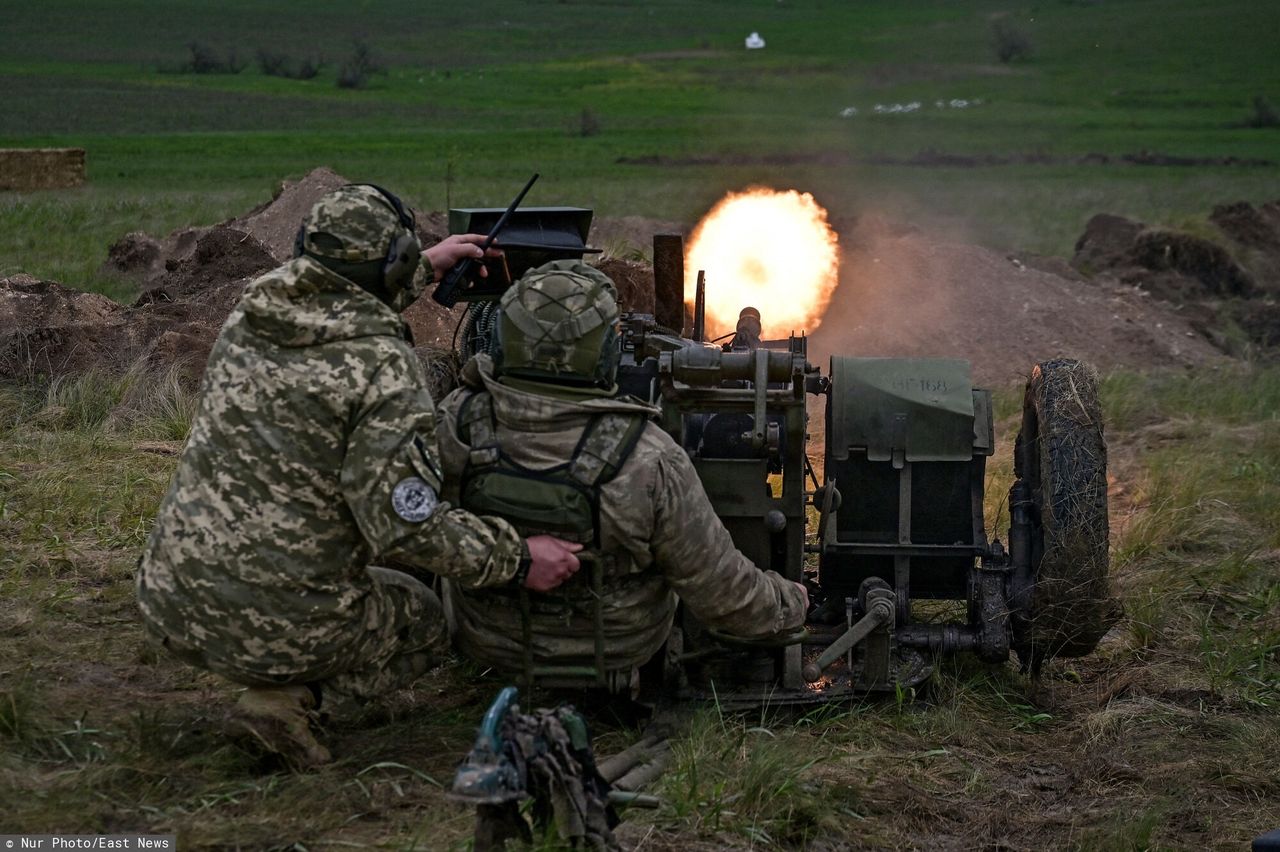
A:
444, 254
552, 562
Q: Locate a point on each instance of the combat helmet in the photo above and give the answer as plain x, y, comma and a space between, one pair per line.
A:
558, 324
366, 234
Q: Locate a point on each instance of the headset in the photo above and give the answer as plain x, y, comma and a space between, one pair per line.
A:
402, 256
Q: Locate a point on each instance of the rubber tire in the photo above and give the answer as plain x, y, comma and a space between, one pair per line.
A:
1061, 455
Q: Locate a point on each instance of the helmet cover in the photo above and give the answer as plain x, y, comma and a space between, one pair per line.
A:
559, 324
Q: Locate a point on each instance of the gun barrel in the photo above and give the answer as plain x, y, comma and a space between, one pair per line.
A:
747, 333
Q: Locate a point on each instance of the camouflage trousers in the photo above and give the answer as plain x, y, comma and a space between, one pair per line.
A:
409, 639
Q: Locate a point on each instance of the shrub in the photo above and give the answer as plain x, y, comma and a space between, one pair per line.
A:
1010, 42
356, 71
272, 64
275, 64
205, 60
1264, 114
307, 69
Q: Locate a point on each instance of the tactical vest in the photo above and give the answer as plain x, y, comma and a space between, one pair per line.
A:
562, 500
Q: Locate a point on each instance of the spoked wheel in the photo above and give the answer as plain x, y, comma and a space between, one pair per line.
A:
1061, 459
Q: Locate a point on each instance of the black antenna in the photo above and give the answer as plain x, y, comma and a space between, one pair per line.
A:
466, 269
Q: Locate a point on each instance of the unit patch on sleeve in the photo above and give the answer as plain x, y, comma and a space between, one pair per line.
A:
414, 500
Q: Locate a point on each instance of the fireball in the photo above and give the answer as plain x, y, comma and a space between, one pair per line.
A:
769, 249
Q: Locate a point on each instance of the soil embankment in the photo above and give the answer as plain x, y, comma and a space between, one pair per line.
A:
1225, 277
905, 294
191, 279
1133, 297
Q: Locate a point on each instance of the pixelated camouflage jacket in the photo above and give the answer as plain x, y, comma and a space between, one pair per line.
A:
658, 533
313, 410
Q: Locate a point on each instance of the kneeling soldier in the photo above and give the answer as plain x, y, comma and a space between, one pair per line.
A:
312, 455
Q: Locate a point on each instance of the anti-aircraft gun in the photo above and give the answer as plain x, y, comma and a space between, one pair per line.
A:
887, 530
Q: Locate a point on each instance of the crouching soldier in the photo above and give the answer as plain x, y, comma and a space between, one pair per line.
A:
537, 436
313, 455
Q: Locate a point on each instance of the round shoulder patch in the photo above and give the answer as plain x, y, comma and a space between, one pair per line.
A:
414, 500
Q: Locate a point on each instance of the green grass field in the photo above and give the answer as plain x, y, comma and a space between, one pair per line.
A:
475, 100
1167, 737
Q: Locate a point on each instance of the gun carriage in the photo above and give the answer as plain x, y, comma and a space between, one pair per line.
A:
889, 518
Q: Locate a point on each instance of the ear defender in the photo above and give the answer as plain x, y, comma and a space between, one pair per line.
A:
403, 257
300, 242
404, 251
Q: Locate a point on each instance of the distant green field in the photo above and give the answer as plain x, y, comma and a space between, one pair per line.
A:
487, 93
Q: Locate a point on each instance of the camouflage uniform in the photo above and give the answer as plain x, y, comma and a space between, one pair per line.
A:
312, 455
658, 534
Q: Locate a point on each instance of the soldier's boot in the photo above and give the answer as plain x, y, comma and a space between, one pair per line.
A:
278, 719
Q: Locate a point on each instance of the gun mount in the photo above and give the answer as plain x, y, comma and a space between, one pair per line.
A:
891, 521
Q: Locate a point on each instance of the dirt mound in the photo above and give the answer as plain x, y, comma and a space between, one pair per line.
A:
220, 257
47, 329
190, 280
630, 237
1191, 258
275, 223
907, 295
1171, 265
1225, 283
1255, 231
28, 301
1254, 227
1105, 243
634, 281
137, 254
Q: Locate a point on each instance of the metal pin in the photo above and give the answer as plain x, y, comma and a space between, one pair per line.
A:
848, 622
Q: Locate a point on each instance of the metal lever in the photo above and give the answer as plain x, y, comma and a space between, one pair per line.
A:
880, 607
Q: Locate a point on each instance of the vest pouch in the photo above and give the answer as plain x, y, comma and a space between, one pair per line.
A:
532, 505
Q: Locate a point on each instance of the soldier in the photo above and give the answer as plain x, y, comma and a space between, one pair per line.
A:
537, 435
311, 456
